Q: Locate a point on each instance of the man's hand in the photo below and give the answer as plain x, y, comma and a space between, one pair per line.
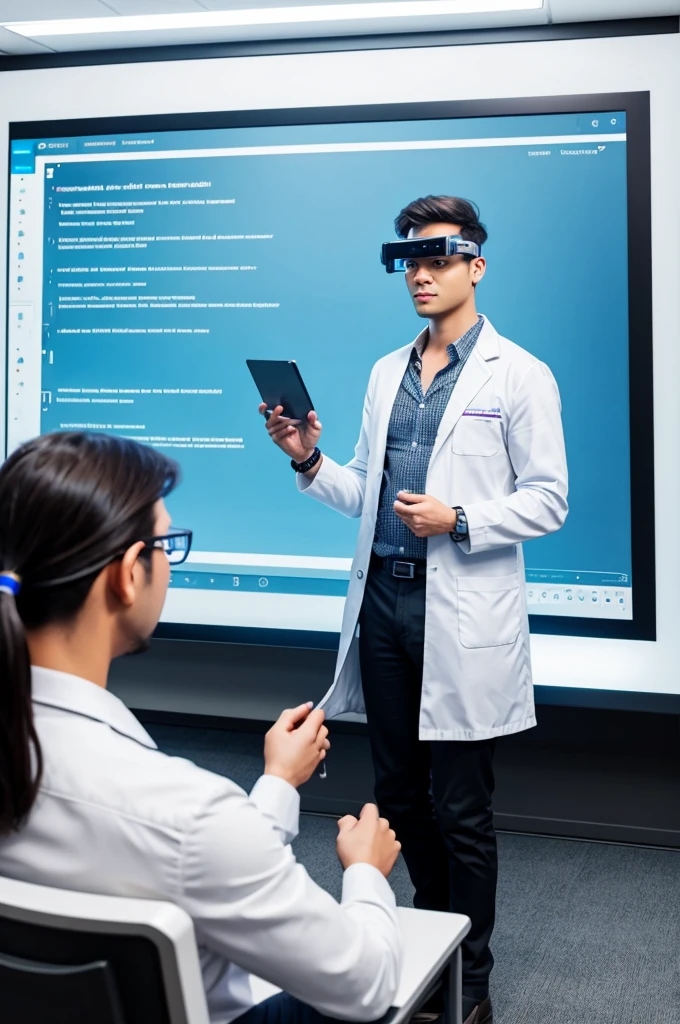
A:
297, 438
296, 744
370, 840
425, 516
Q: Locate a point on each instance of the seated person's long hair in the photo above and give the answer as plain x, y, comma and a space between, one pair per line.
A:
70, 503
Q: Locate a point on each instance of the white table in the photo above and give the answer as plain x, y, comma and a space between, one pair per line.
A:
431, 944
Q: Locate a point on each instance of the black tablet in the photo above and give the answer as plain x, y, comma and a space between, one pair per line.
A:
280, 383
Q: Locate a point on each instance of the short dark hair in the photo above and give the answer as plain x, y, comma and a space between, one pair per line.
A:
444, 210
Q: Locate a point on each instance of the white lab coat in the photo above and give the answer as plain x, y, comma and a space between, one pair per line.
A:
509, 473
116, 816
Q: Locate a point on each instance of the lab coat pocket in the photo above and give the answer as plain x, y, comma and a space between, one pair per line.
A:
476, 436
489, 610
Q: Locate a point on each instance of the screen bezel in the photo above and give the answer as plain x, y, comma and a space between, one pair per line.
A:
636, 106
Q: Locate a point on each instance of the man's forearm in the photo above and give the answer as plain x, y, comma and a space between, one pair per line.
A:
519, 517
339, 487
311, 473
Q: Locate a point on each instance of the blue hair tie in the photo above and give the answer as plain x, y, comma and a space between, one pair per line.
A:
10, 583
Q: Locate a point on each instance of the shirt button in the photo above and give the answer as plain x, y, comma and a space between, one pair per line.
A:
360, 574
422, 405
414, 444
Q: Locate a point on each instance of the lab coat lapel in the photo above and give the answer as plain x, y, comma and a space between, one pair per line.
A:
387, 392
474, 376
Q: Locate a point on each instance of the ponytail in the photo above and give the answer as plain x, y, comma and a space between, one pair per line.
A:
20, 755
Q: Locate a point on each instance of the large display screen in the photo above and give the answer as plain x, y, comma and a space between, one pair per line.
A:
149, 259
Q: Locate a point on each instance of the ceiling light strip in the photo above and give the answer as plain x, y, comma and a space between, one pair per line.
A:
266, 16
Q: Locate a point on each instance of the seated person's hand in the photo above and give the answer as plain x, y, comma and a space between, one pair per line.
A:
370, 840
296, 744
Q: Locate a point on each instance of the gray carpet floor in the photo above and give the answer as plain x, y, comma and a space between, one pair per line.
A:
585, 932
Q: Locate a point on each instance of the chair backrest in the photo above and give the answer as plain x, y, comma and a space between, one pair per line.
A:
71, 958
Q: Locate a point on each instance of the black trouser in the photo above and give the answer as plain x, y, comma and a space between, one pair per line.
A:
436, 795
283, 1009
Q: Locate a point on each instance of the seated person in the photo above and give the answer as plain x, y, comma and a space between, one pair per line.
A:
87, 801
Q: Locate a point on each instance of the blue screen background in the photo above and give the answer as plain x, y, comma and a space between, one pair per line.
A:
556, 284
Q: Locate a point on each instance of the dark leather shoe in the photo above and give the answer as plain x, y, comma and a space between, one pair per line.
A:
482, 1014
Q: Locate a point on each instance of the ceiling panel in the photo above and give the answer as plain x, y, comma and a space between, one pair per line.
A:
596, 10
230, 5
129, 7
32, 10
29, 10
11, 43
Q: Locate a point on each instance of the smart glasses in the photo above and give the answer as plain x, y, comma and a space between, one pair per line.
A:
395, 255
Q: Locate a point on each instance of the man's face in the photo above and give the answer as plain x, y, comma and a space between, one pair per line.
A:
439, 286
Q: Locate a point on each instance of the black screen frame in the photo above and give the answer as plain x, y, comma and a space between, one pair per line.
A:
636, 106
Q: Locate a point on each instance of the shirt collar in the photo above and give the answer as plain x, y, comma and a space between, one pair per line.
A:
459, 349
81, 697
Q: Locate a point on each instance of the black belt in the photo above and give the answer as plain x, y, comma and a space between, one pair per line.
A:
401, 568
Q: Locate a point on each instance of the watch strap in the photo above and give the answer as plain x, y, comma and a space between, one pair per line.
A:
460, 531
304, 467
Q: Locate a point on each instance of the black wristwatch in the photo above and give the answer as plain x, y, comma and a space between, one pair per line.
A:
460, 531
304, 467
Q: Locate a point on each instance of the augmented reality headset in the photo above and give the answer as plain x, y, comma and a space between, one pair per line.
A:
395, 254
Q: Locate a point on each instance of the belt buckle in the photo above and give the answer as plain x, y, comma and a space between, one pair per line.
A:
408, 574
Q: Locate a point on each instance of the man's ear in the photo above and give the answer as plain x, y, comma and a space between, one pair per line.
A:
123, 580
477, 269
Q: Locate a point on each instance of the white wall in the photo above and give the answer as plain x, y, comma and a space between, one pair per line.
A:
522, 69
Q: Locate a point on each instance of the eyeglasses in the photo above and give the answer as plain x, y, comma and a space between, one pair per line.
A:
176, 544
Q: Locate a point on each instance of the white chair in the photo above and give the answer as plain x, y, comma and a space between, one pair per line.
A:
76, 958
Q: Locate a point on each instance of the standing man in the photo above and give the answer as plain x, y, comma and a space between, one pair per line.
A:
460, 459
